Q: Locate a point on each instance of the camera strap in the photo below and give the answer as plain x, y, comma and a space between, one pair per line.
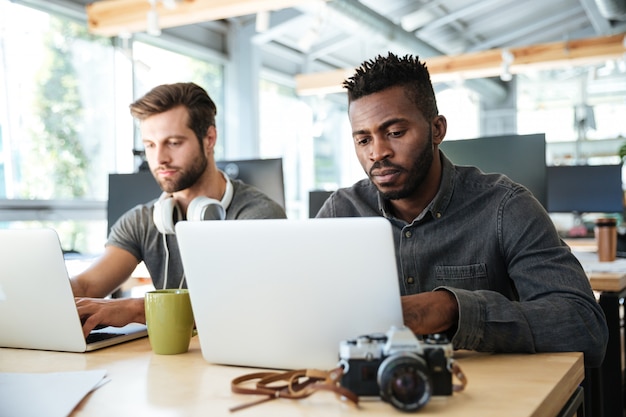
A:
455, 370
293, 385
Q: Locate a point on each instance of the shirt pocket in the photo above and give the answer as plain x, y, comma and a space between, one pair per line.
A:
469, 277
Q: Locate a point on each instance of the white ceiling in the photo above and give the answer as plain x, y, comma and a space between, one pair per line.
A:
321, 36
343, 33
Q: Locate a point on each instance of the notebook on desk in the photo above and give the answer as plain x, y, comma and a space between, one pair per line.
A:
283, 294
37, 308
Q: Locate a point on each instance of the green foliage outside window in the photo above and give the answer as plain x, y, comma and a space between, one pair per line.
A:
58, 153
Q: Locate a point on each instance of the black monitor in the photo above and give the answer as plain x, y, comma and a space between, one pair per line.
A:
317, 198
585, 189
128, 190
264, 174
520, 157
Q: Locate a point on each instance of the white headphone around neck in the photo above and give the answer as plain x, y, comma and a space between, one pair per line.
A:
166, 212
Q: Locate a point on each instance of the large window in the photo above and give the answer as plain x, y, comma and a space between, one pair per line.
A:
57, 101
286, 133
313, 136
56, 115
154, 66
460, 106
581, 110
64, 118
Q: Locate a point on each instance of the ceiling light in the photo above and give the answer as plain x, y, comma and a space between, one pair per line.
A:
505, 72
262, 21
171, 4
505, 67
507, 56
153, 27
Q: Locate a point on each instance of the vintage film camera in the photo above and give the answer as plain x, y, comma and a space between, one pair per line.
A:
404, 370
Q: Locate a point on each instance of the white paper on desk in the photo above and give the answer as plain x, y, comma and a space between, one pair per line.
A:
590, 263
53, 394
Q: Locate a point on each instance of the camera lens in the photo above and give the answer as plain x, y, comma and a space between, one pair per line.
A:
404, 381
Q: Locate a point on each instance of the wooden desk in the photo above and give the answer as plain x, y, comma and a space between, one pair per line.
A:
145, 384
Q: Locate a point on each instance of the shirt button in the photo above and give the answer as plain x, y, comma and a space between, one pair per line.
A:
410, 280
408, 234
438, 215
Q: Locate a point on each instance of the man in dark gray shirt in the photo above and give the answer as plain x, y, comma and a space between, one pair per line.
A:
178, 130
478, 256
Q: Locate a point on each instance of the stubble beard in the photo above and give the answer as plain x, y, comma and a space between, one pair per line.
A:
188, 176
417, 173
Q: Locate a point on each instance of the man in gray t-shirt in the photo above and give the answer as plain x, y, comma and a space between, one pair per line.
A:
177, 123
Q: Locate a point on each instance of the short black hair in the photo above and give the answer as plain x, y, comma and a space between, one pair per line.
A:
381, 73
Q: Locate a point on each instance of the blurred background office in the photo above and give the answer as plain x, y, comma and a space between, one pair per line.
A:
65, 86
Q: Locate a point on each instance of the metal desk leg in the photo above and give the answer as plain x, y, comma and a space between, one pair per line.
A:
611, 370
575, 406
592, 385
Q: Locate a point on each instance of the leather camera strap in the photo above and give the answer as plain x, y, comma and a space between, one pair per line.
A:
291, 385
455, 369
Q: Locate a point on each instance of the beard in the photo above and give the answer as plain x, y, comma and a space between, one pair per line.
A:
416, 174
188, 176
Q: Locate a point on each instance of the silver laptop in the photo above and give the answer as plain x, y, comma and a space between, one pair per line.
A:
37, 308
284, 293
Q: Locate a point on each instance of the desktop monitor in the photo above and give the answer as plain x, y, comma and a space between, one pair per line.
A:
264, 174
317, 198
520, 157
585, 189
128, 190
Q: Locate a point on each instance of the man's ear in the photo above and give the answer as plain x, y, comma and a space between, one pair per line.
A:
440, 127
210, 138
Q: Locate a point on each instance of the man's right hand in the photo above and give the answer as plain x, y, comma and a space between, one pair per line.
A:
101, 312
430, 312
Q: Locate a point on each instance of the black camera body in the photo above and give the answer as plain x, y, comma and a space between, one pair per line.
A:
397, 366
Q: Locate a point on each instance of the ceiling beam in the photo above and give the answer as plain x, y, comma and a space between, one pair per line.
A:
459, 14
539, 26
600, 24
114, 17
488, 63
548, 55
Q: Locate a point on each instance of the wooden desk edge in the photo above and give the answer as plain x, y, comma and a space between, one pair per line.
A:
607, 281
572, 379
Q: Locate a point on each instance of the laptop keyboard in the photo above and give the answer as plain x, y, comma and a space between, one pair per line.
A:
99, 336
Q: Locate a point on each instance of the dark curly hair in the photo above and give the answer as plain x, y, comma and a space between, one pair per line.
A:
200, 106
384, 72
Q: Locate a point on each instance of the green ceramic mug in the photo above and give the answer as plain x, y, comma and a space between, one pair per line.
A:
169, 319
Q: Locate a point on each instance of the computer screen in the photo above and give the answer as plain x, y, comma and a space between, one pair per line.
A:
128, 190
264, 174
317, 198
585, 189
520, 157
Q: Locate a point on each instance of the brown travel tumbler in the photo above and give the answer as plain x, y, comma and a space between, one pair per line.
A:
606, 239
